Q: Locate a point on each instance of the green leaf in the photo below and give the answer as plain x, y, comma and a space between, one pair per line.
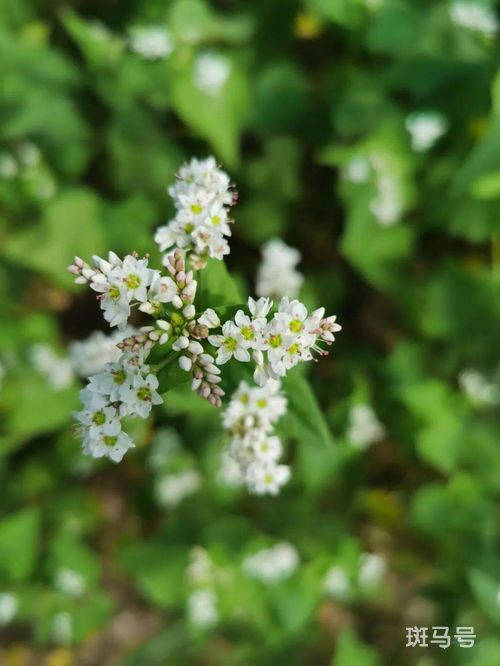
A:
305, 416
485, 589
71, 225
351, 650
216, 287
219, 118
170, 375
19, 536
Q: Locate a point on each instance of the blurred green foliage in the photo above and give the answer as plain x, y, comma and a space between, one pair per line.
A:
403, 243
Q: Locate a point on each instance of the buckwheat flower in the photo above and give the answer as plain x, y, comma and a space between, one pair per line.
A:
200, 570
387, 205
267, 449
104, 420
259, 308
267, 478
57, 371
209, 318
373, 568
272, 565
357, 170
8, 608
89, 356
364, 427
151, 42
62, 628
202, 608
229, 343
202, 196
162, 290
337, 583
277, 275
230, 472
478, 388
474, 16
211, 72
172, 489
8, 166
70, 582
425, 128
140, 397
113, 447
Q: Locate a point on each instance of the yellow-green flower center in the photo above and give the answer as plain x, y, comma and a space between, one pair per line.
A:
230, 344
293, 349
99, 418
114, 292
247, 332
110, 440
216, 220
144, 393
196, 208
132, 281
296, 325
268, 478
188, 227
119, 376
262, 403
275, 341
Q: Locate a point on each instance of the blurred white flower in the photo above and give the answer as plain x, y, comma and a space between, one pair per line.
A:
372, 569
200, 570
480, 391
171, 489
62, 628
211, 71
230, 473
29, 154
8, 608
8, 166
425, 128
474, 16
70, 582
357, 170
165, 445
152, 42
364, 428
57, 371
202, 608
337, 583
277, 275
271, 565
89, 356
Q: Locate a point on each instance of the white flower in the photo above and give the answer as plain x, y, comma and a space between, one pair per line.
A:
171, 489
267, 449
267, 478
201, 196
209, 318
259, 308
140, 397
113, 447
337, 583
364, 427
70, 582
152, 42
478, 388
8, 608
202, 608
62, 628
387, 205
89, 356
8, 166
277, 275
474, 16
211, 71
230, 472
272, 565
230, 343
104, 420
161, 290
373, 568
56, 370
425, 129
357, 170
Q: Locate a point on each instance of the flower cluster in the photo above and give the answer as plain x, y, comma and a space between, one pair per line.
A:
278, 342
277, 275
151, 42
425, 128
125, 388
89, 356
369, 573
275, 339
271, 565
57, 371
249, 420
202, 196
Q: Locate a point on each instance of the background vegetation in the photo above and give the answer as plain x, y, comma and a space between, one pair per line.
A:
312, 124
